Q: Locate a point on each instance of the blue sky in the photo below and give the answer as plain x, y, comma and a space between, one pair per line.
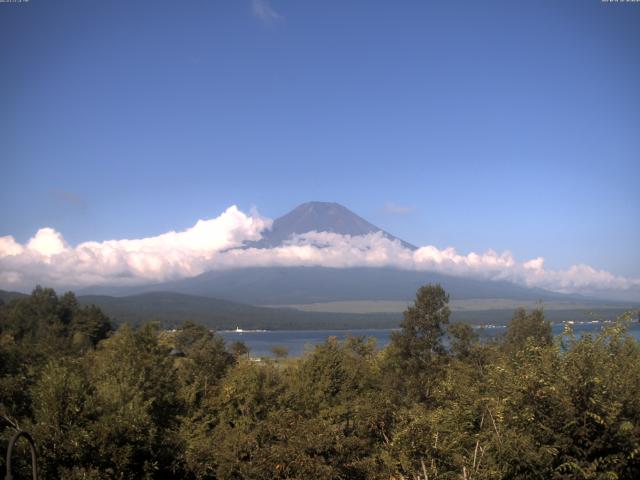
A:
497, 124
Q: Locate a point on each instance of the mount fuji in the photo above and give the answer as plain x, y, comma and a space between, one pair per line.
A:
317, 284
322, 297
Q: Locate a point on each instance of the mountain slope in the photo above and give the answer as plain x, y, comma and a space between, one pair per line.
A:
301, 285
6, 296
319, 217
171, 309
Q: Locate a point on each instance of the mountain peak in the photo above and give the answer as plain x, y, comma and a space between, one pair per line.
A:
332, 216
318, 204
320, 217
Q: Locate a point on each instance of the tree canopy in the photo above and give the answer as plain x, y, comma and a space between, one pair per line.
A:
436, 403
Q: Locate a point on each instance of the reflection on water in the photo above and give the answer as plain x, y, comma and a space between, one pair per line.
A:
261, 342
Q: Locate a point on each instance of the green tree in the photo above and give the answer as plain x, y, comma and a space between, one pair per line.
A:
528, 327
239, 349
63, 413
463, 340
280, 351
134, 391
90, 325
416, 353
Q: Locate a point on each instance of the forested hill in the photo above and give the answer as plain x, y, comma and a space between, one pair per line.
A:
295, 285
171, 309
6, 297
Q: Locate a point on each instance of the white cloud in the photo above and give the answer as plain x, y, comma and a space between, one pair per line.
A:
48, 260
264, 12
218, 244
47, 242
9, 247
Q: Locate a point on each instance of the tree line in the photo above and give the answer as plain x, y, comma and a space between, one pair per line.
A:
436, 403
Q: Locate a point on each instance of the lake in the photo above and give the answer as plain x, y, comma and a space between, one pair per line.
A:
260, 343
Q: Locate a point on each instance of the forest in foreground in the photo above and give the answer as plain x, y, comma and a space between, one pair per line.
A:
134, 403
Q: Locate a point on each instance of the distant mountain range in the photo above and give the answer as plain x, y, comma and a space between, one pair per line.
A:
228, 298
296, 285
172, 309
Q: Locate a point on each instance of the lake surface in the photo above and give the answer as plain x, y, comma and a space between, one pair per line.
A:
260, 343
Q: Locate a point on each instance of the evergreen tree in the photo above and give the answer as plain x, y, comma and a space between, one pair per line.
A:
416, 352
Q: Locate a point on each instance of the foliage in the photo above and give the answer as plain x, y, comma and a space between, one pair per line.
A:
526, 327
416, 352
436, 403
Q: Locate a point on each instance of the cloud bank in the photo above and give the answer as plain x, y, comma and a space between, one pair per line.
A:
219, 243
